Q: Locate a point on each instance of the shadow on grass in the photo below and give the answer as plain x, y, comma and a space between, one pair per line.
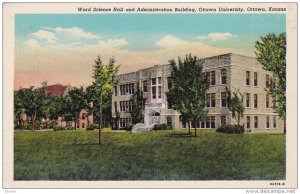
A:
181, 135
86, 144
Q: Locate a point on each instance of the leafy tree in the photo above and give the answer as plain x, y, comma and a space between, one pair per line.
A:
137, 106
271, 53
56, 108
190, 86
235, 102
102, 87
75, 101
34, 103
18, 109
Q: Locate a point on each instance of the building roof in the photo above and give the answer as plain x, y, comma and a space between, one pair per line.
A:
56, 90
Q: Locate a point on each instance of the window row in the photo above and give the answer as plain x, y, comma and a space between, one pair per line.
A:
211, 77
211, 99
209, 122
256, 125
125, 106
255, 101
126, 89
270, 82
125, 122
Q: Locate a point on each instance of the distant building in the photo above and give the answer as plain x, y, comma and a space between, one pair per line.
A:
84, 119
228, 70
61, 90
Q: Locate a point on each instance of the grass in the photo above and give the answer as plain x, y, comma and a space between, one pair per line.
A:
155, 155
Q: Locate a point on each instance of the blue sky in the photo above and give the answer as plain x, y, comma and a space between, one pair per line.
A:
54, 41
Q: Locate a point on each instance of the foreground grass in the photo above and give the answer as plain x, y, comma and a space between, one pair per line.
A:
155, 155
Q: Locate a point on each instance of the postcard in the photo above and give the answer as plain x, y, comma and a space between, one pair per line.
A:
150, 95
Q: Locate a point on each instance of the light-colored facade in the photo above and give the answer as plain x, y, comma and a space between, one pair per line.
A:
233, 71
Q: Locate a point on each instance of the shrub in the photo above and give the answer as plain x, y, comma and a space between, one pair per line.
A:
128, 128
162, 127
231, 129
92, 127
58, 128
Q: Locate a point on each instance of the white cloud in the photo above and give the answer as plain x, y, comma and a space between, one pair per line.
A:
74, 32
77, 32
170, 41
217, 36
113, 43
44, 35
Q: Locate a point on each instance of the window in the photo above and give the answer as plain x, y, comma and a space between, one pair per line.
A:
267, 122
126, 89
159, 91
145, 89
213, 78
223, 120
82, 125
115, 105
213, 100
255, 79
169, 121
267, 81
248, 78
255, 100
125, 122
274, 102
83, 116
247, 100
212, 122
267, 101
248, 122
273, 83
207, 122
207, 100
207, 75
153, 92
116, 91
153, 81
274, 122
202, 125
255, 122
159, 80
125, 106
223, 76
223, 99
170, 82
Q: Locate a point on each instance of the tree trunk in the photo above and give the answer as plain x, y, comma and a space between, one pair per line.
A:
33, 121
100, 129
189, 126
284, 126
195, 129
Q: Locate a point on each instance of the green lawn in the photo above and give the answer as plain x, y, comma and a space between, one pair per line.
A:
155, 155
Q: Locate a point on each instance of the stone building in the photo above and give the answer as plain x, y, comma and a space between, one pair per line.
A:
236, 72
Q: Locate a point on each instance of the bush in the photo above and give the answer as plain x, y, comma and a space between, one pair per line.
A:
128, 128
231, 129
162, 127
92, 127
58, 128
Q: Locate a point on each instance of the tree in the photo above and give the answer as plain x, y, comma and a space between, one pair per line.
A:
271, 53
190, 86
235, 102
34, 103
75, 101
102, 87
137, 106
18, 109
